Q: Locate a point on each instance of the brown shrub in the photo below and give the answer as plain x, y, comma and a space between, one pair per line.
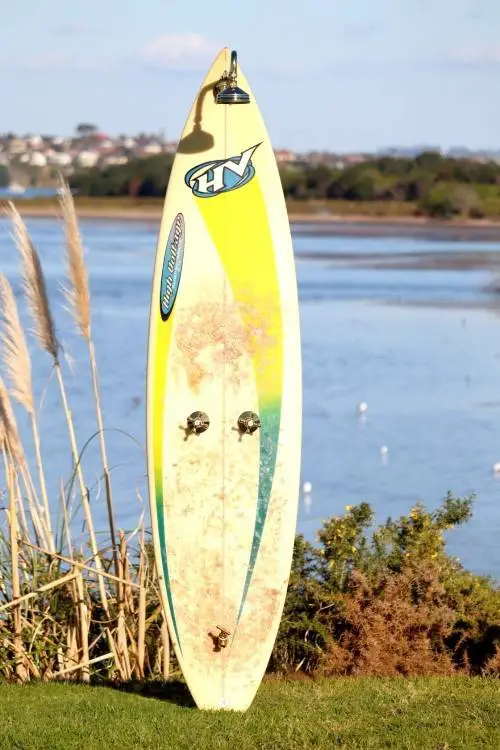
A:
396, 626
492, 666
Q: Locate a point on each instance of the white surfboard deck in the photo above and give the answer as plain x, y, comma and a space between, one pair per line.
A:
224, 339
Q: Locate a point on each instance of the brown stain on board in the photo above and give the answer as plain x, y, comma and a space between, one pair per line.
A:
210, 334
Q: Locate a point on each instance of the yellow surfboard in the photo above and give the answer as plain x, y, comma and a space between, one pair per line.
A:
224, 395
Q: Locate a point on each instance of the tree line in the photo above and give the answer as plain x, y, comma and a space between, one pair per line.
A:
435, 185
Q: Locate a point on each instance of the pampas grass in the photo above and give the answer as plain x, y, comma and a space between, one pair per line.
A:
12, 451
36, 295
34, 285
78, 295
17, 364
15, 355
9, 435
62, 615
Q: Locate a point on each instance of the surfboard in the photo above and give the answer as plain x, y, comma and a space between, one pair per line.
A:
224, 399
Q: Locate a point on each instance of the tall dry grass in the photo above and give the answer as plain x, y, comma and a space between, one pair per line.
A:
64, 615
78, 294
37, 299
17, 366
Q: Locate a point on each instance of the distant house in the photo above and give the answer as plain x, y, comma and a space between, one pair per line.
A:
113, 160
285, 156
87, 158
152, 148
34, 159
35, 141
17, 146
354, 159
58, 158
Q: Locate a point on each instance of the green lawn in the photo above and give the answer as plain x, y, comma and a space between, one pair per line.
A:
434, 713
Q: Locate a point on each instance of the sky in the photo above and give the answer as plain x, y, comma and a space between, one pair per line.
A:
337, 75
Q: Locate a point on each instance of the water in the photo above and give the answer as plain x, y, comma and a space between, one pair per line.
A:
30, 192
422, 348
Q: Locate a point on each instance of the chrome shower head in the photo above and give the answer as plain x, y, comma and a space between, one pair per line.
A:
227, 90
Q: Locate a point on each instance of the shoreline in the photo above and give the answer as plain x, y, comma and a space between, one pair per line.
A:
322, 222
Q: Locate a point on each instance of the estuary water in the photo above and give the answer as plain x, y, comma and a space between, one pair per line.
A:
419, 345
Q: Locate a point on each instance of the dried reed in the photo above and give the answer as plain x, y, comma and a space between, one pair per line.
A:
56, 611
11, 444
34, 285
36, 294
78, 295
16, 612
17, 363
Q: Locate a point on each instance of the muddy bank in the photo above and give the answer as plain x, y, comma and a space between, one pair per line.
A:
409, 227
466, 260
318, 224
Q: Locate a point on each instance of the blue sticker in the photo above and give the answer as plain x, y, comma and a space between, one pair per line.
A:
172, 266
222, 175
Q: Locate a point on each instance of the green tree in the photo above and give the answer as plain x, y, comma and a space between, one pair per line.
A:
466, 202
359, 183
430, 160
417, 183
141, 177
438, 201
317, 180
487, 174
293, 181
4, 176
86, 130
388, 165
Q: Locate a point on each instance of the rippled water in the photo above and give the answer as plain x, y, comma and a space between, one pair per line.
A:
420, 347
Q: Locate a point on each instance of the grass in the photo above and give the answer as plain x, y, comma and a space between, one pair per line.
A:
65, 615
152, 207
425, 713
86, 203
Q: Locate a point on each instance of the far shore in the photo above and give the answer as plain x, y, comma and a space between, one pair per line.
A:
319, 219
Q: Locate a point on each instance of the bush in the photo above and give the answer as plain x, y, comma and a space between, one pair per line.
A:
467, 203
438, 202
391, 603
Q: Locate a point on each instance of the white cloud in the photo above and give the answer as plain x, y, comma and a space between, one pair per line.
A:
48, 61
178, 51
59, 61
475, 54
174, 52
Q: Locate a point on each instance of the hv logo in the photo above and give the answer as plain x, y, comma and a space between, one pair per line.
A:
222, 175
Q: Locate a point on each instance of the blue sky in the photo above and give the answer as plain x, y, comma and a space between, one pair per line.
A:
328, 74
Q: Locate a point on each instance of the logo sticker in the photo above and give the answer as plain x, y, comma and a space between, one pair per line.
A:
222, 175
172, 266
